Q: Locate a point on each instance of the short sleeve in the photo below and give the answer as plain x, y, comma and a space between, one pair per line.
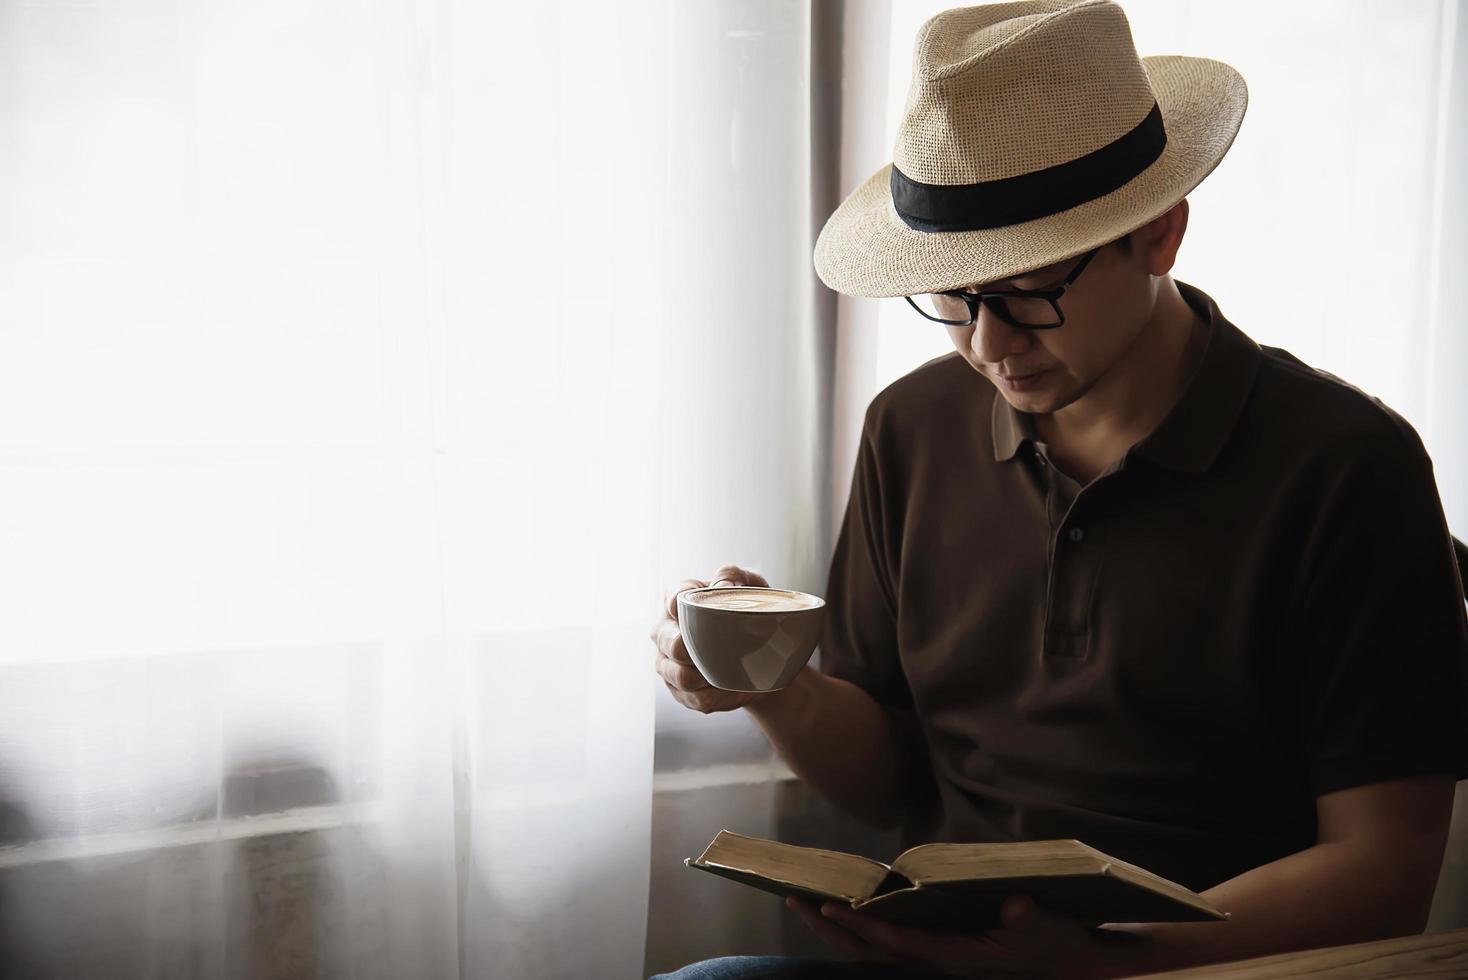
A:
860, 640
1380, 627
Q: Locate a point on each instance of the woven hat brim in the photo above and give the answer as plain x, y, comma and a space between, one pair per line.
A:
865, 249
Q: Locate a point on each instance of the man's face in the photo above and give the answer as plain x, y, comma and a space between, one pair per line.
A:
1105, 309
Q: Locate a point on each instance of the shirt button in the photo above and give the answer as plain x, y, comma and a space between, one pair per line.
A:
1077, 535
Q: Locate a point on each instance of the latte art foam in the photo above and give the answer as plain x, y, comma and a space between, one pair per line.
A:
754, 599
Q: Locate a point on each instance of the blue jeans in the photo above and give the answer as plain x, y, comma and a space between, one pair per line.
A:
789, 968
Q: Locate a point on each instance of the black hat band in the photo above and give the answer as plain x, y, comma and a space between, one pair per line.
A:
1025, 197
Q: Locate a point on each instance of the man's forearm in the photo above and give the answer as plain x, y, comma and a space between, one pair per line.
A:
1327, 895
835, 737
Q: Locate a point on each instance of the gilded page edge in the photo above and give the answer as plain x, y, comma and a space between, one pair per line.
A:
1187, 897
700, 863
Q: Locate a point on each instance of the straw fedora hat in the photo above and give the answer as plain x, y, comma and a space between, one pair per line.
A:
1032, 133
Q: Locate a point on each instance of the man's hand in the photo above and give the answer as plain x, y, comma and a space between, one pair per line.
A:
676, 667
1030, 942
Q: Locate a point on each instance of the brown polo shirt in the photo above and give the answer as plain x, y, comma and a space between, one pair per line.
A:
1257, 605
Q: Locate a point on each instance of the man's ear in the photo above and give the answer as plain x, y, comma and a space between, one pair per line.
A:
1161, 238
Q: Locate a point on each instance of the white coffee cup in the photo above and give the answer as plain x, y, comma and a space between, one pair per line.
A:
750, 638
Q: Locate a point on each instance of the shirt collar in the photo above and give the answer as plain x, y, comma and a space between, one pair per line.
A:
1011, 428
1191, 435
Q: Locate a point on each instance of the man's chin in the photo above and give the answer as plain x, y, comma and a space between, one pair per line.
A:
1042, 397
1034, 402
1042, 402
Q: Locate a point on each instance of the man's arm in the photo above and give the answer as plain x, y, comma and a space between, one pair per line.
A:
1371, 875
838, 739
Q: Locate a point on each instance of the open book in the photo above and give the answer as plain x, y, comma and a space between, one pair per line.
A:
959, 886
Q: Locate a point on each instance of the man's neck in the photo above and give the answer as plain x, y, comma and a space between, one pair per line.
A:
1129, 402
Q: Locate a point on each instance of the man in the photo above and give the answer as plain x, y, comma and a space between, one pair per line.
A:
1111, 570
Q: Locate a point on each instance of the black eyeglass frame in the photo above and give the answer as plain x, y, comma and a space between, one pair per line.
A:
973, 300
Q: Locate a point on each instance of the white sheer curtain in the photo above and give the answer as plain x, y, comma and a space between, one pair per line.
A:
743, 356
348, 437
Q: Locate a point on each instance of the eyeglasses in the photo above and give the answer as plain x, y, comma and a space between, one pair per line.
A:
1028, 309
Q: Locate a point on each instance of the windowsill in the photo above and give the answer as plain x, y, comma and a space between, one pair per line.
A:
326, 817
299, 820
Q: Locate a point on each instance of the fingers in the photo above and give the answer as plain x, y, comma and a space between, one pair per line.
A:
829, 932
734, 575
689, 688
1016, 911
680, 677
726, 575
934, 950
870, 932
669, 641
671, 602
673, 664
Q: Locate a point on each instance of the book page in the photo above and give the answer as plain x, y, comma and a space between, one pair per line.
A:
929, 863
828, 872
1089, 898
935, 864
1142, 878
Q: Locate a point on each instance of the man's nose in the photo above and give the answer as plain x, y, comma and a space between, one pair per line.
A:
994, 340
